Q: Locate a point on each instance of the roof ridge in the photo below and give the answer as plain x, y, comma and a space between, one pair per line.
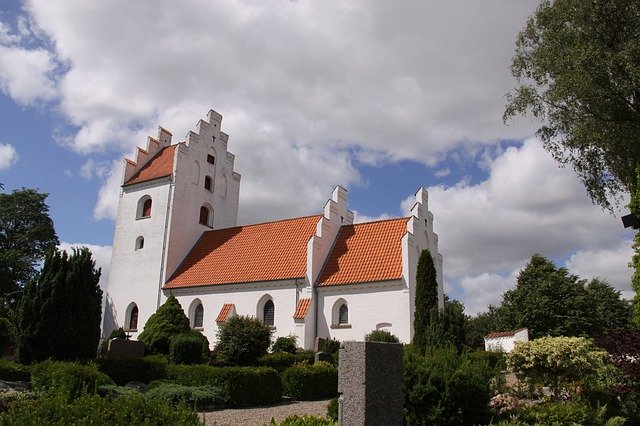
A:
381, 220
265, 222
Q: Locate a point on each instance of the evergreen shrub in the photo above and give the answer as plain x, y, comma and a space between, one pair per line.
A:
285, 344
242, 340
198, 396
306, 356
114, 391
308, 383
241, 386
383, 336
67, 379
123, 371
188, 348
280, 361
14, 372
93, 410
166, 322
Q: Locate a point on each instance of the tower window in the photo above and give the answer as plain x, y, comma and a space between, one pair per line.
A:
206, 216
269, 312
133, 318
140, 243
198, 315
146, 208
143, 209
207, 182
211, 159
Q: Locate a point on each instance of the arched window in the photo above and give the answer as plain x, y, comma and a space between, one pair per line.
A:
132, 322
198, 316
207, 182
204, 215
269, 312
146, 208
140, 243
343, 316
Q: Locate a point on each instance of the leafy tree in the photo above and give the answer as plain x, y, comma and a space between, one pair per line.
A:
285, 344
607, 307
166, 322
59, 313
475, 328
243, 340
426, 298
578, 71
381, 336
26, 234
552, 361
446, 327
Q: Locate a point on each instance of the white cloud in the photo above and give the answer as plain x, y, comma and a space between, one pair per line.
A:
26, 75
108, 196
360, 218
442, 172
101, 255
8, 156
485, 289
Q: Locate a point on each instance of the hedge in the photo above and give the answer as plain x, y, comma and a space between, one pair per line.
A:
241, 386
198, 396
14, 372
278, 360
308, 383
68, 380
123, 371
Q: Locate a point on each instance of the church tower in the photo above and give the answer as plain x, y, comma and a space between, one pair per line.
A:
170, 195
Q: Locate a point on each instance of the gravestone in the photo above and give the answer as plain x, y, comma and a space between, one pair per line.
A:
370, 384
125, 349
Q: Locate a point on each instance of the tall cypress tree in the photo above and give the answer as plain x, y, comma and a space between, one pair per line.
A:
426, 299
59, 313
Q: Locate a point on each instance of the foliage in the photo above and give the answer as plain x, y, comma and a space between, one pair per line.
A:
494, 359
14, 372
26, 234
123, 371
118, 333
563, 413
577, 68
280, 361
285, 344
307, 383
188, 348
114, 391
445, 388
306, 356
446, 327
242, 386
332, 409
304, 420
426, 299
552, 361
7, 333
59, 313
242, 340
475, 328
549, 301
166, 322
198, 396
67, 379
381, 336
634, 205
93, 410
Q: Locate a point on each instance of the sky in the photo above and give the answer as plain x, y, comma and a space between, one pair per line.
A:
378, 97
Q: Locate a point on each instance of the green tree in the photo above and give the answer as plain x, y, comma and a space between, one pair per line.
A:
243, 340
577, 66
475, 328
26, 234
59, 313
607, 308
426, 299
634, 205
381, 336
446, 327
167, 321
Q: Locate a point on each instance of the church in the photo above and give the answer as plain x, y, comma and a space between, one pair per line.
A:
315, 276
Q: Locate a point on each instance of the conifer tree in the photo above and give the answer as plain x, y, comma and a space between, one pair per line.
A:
60, 311
166, 322
426, 298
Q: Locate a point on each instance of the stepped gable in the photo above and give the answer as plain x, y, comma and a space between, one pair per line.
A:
268, 251
152, 163
366, 252
159, 166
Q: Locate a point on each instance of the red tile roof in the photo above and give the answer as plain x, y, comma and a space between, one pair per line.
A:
263, 252
366, 252
302, 308
502, 334
225, 311
160, 165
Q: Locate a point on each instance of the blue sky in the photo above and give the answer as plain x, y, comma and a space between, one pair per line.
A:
377, 97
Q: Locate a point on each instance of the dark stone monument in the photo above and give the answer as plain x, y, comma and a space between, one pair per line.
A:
370, 384
125, 349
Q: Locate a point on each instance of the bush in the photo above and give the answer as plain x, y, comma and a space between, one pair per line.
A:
11, 398
188, 348
561, 413
166, 322
381, 336
280, 361
67, 379
243, 340
445, 388
331, 346
495, 359
305, 356
241, 386
14, 372
7, 334
94, 410
113, 391
118, 333
305, 420
332, 409
123, 371
308, 383
198, 396
285, 344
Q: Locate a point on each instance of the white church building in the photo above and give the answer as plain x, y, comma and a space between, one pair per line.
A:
315, 276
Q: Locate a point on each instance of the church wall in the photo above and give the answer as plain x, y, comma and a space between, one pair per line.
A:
381, 304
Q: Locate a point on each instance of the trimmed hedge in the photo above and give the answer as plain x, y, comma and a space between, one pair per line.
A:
14, 372
308, 383
198, 396
123, 371
241, 386
68, 380
94, 410
278, 360
188, 348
